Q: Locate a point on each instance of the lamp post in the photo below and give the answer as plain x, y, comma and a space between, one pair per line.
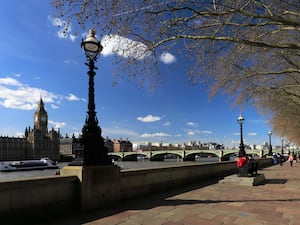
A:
282, 146
270, 144
94, 151
242, 147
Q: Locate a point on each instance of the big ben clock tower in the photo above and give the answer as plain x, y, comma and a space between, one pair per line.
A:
44, 143
41, 118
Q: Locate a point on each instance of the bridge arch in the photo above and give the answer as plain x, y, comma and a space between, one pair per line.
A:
193, 156
228, 156
116, 157
164, 156
135, 157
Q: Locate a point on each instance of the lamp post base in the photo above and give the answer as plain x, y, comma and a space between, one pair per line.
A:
242, 153
100, 185
92, 154
97, 157
94, 151
270, 153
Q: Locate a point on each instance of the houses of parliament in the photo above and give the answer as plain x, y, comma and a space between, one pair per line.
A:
39, 142
36, 143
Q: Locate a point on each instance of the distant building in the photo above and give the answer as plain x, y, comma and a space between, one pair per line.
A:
71, 147
66, 147
36, 143
109, 144
122, 145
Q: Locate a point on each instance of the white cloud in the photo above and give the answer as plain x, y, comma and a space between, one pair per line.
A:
72, 97
54, 106
207, 132
192, 124
65, 29
191, 133
19, 134
160, 134
125, 47
57, 125
15, 95
148, 118
72, 37
68, 61
167, 124
119, 132
10, 81
167, 58
198, 132
252, 134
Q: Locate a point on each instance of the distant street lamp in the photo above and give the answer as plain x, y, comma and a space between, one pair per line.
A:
282, 146
94, 151
242, 147
270, 144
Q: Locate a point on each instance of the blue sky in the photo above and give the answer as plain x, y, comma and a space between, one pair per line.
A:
37, 60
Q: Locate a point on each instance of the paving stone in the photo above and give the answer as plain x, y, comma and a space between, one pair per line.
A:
275, 202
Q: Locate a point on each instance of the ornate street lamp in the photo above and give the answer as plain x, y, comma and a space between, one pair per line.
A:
270, 144
282, 139
242, 146
94, 151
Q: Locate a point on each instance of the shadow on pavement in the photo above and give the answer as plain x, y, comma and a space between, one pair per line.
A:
175, 202
140, 203
275, 181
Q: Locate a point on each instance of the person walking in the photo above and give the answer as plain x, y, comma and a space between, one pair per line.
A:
291, 159
281, 158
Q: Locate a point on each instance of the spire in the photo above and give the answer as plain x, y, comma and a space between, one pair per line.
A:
26, 132
41, 106
41, 117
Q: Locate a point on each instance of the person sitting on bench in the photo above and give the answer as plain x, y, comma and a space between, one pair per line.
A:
253, 167
242, 166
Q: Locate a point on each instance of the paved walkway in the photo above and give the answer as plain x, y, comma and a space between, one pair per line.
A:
276, 202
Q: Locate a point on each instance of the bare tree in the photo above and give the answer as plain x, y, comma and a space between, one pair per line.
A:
248, 49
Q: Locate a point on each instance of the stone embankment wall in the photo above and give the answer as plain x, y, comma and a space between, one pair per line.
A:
27, 200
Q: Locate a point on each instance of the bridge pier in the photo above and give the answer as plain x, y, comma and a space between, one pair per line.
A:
221, 154
261, 153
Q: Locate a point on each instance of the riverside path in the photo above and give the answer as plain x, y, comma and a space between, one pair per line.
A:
276, 202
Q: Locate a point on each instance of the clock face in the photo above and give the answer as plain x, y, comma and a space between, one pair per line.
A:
43, 118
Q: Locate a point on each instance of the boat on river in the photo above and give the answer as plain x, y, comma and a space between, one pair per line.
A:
44, 163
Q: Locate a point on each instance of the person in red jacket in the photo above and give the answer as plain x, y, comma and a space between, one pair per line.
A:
242, 166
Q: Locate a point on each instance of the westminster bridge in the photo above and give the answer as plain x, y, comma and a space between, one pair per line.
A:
184, 155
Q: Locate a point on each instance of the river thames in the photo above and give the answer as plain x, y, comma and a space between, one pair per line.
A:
122, 164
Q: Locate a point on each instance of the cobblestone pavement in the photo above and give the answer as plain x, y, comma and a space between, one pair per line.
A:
276, 202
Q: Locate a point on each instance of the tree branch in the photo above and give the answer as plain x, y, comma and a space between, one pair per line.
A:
292, 46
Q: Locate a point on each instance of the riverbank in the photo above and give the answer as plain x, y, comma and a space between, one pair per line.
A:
82, 189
